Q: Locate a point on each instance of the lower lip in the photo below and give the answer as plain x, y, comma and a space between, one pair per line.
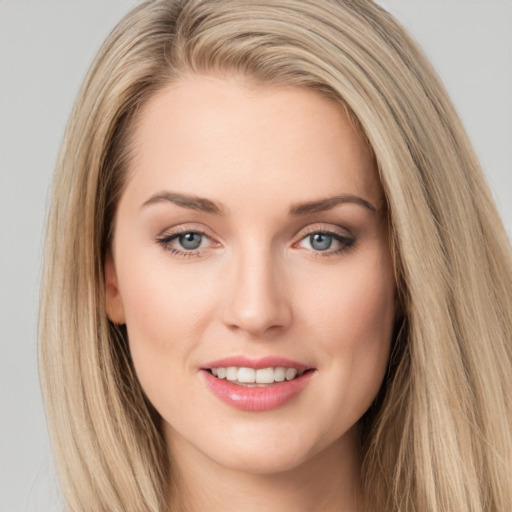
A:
255, 398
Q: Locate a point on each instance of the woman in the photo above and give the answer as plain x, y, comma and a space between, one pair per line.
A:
275, 277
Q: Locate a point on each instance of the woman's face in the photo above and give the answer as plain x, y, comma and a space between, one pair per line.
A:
252, 235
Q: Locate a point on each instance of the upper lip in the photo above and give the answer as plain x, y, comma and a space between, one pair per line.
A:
263, 362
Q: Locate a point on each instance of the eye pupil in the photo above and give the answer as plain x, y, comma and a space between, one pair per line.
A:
190, 241
320, 241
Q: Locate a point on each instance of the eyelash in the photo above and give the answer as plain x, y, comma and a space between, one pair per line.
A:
346, 243
166, 240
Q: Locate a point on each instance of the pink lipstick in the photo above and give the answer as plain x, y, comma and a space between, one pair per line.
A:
256, 384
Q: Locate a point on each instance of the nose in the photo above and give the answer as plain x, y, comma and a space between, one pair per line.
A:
256, 299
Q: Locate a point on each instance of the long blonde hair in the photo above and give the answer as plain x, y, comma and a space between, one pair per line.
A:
439, 436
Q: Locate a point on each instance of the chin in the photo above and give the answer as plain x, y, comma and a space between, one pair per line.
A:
261, 463
271, 454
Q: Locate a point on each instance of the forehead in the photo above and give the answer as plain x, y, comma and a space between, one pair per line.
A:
206, 135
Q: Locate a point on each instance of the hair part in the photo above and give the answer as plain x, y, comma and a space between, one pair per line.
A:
439, 438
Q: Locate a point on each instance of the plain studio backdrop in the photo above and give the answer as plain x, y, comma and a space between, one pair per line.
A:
45, 48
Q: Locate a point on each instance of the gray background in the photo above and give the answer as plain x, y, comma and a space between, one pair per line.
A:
45, 48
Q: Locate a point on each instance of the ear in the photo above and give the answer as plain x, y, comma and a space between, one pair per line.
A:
114, 304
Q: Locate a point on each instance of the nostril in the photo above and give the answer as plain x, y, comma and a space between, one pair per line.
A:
255, 302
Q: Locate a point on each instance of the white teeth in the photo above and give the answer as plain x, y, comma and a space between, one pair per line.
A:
290, 373
263, 376
232, 373
279, 374
247, 375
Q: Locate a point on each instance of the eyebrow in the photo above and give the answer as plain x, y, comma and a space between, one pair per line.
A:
185, 201
206, 205
323, 205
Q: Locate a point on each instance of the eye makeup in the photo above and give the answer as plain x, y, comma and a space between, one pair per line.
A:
319, 241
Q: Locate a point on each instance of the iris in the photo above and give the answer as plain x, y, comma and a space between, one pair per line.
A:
320, 241
190, 241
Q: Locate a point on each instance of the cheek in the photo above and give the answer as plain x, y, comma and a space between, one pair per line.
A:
355, 308
352, 323
165, 311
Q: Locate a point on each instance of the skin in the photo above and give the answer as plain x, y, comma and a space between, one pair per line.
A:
256, 286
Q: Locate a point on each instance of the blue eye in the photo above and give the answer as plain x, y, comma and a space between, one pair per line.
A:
190, 241
320, 241
186, 244
326, 243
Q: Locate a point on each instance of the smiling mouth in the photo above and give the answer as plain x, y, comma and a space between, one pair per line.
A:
256, 384
262, 377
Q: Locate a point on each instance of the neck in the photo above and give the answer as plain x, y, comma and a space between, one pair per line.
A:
327, 482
